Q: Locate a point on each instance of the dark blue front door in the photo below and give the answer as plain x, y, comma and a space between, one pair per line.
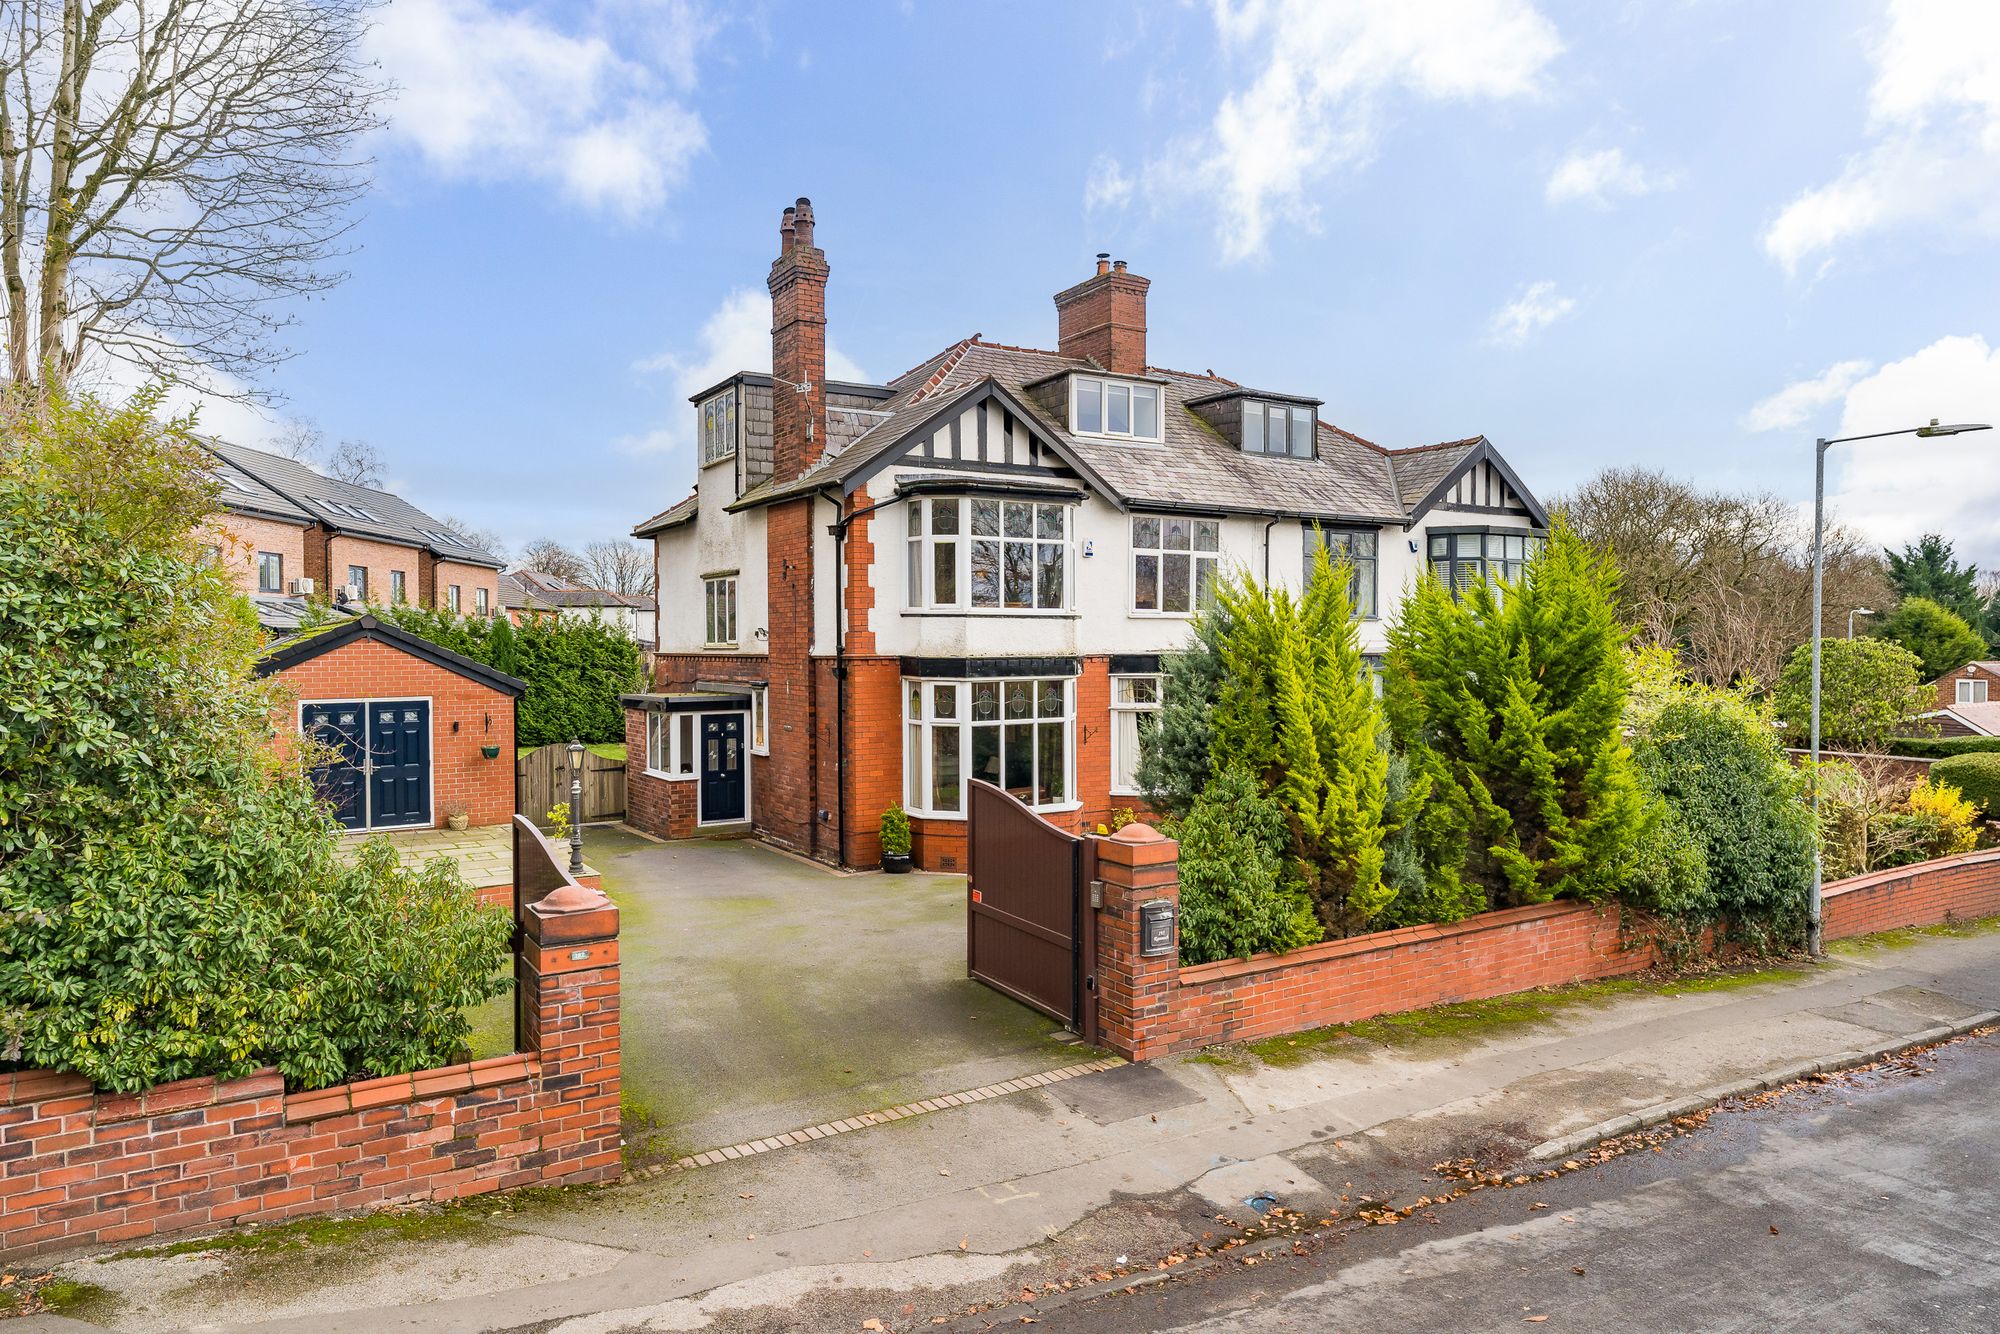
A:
340, 780
722, 776
376, 772
399, 744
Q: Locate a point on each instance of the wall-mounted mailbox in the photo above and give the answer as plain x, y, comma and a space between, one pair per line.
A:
1156, 928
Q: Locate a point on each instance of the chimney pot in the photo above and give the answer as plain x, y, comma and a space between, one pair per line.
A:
1103, 261
802, 223
785, 234
1103, 319
1119, 266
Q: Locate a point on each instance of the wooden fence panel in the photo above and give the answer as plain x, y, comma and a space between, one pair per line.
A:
542, 781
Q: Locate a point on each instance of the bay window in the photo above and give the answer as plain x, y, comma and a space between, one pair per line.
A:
1173, 563
1360, 549
986, 554
1463, 559
1134, 702
1015, 733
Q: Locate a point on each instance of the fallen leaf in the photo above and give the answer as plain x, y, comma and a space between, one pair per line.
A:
944, 1171
1576, 1269
872, 1323
751, 1236
963, 1241
1533, 1319
1774, 1229
746, 1195
1537, 1205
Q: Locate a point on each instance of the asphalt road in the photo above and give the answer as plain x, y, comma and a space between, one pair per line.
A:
1869, 1203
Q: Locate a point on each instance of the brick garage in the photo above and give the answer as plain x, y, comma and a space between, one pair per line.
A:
471, 705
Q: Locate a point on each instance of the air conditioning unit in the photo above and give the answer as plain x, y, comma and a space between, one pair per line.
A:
302, 588
354, 592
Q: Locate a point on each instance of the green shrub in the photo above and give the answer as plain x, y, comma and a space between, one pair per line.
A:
1238, 897
171, 901
895, 831
1976, 776
1174, 764
1942, 639
1670, 872
1508, 702
1870, 690
1714, 759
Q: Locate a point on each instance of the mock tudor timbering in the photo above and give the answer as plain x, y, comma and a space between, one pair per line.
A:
876, 592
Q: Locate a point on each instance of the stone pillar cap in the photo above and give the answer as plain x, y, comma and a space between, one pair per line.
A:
1139, 832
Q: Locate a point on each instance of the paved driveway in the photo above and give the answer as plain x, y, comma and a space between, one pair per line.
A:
763, 994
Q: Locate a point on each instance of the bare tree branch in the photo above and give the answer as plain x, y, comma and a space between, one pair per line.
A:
618, 566
171, 173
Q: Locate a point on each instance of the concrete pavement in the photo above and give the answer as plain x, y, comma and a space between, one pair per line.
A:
926, 1218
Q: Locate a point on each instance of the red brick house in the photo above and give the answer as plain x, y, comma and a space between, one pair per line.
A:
1968, 701
877, 591
418, 730
288, 533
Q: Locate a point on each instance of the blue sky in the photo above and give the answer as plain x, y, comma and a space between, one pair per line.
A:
1690, 234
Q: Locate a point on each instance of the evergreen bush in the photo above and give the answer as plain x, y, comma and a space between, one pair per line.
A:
1238, 897
1975, 776
171, 901
1508, 700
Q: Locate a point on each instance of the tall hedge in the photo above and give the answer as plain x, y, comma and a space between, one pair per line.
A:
575, 668
171, 900
1977, 778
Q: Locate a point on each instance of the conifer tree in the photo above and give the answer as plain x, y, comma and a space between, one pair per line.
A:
1174, 765
1508, 701
1295, 708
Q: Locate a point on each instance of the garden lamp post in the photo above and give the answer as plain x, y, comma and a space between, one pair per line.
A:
1814, 920
1858, 611
576, 808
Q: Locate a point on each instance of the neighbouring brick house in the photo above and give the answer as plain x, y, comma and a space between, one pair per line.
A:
878, 591
1968, 701
530, 595
288, 533
417, 730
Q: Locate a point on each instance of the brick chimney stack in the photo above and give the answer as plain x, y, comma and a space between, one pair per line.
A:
1103, 319
798, 345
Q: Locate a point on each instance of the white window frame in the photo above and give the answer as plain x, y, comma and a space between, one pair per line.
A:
358, 589
760, 720
1970, 690
398, 587
922, 539
1121, 710
1160, 552
482, 601
452, 598
716, 421
1105, 387
921, 697
672, 732
719, 590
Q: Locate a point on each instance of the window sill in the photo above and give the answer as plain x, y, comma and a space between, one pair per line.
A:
720, 458
720, 648
1126, 792
1063, 809
668, 778
1033, 613
1141, 614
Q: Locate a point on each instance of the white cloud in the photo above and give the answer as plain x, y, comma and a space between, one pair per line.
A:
1533, 309
1934, 122
1797, 402
1320, 74
1109, 187
1900, 488
491, 93
736, 337
1596, 178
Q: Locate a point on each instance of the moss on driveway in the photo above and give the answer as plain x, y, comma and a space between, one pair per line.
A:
762, 994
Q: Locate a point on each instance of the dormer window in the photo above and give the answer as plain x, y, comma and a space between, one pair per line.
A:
1114, 408
1278, 428
718, 427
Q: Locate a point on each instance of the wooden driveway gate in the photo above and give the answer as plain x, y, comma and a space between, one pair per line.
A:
1029, 929
541, 780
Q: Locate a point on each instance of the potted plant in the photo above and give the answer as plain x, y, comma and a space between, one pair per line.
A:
456, 816
895, 840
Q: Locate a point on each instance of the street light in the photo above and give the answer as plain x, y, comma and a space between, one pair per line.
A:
576, 808
1858, 611
1814, 919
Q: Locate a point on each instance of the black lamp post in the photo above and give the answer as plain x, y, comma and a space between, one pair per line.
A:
575, 807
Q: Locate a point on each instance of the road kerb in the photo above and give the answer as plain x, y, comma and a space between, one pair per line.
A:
1565, 1146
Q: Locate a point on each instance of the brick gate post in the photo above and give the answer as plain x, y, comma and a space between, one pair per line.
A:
1135, 992
567, 977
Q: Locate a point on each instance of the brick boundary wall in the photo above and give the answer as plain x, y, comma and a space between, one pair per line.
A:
1149, 1007
81, 1166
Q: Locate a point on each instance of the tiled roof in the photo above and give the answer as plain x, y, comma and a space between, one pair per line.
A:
678, 513
1982, 718
347, 508
1193, 466
244, 494
535, 591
